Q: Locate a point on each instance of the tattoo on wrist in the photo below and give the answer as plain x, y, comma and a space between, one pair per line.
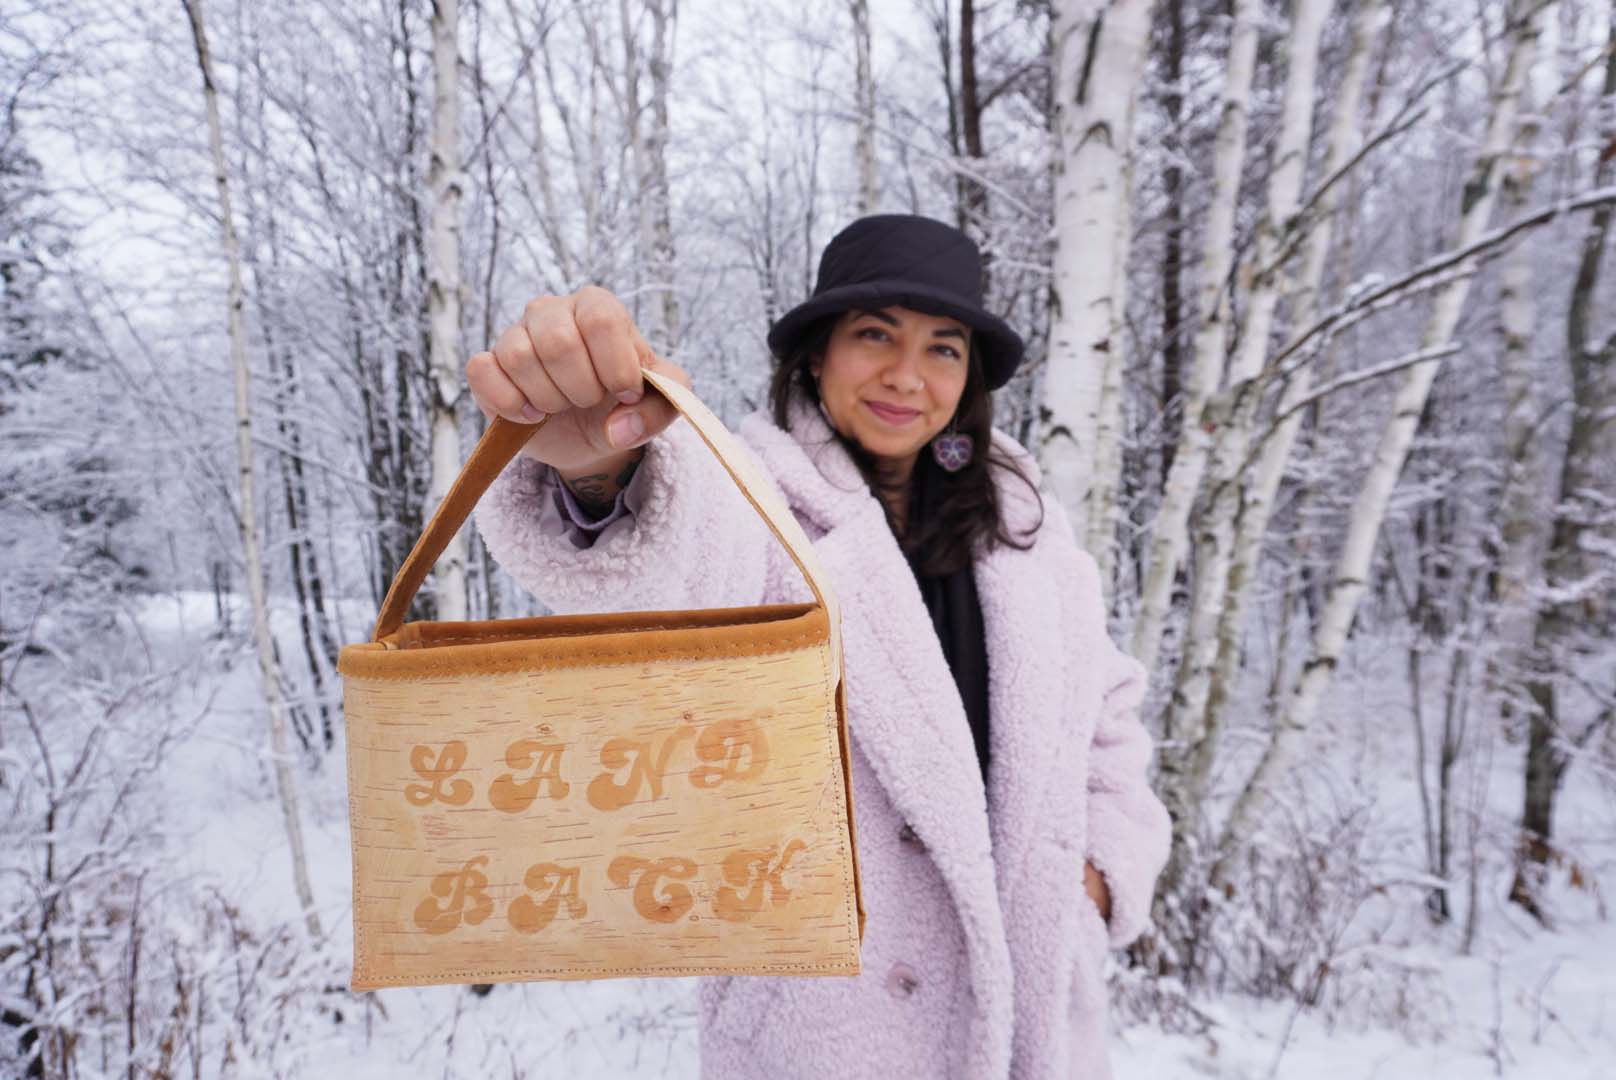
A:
592, 494
597, 492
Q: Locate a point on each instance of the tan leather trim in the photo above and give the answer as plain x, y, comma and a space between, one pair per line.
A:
847, 787
852, 966
420, 650
504, 439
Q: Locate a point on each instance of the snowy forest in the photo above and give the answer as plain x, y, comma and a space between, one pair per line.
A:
1322, 368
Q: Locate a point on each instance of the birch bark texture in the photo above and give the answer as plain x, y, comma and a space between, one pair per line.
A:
1099, 53
1169, 537
1369, 508
1579, 570
864, 87
268, 668
446, 181
1231, 415
1275, 451
657, 195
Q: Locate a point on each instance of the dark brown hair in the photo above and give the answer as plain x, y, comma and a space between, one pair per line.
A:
949, 513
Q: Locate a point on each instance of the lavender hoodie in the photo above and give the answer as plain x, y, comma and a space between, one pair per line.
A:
983, 955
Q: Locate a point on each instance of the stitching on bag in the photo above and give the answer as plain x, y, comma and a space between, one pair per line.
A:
353, 815
578, 633
709, 970
486, 667
833, 737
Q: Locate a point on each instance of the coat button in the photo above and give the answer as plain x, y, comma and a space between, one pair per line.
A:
902, 981
908, 836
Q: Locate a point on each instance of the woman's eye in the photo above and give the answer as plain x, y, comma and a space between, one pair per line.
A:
949, 351
874, 333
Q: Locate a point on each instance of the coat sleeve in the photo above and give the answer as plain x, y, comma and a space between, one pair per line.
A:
692, 542
1129, 831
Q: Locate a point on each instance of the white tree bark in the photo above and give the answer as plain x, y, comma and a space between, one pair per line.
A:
1259, 493
1369, 510
268, 670
447, 182
634, 152
1099, 51
1578, 570
1232, 417
658, 193
1169, 535
864, 85
1522, 504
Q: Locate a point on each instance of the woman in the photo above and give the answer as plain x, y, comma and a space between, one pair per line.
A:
1007, 835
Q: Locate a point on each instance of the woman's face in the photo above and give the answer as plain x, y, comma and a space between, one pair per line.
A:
892, 379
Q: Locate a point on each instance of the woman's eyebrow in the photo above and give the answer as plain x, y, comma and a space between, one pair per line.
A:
890, 320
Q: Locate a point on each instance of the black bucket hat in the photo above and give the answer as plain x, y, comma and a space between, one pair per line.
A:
907, 261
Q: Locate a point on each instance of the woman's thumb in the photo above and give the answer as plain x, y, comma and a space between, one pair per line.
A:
653, 411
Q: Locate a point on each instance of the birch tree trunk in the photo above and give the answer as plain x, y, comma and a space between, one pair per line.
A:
268, 670
1579, 571
666, 332
1099, 53
1259, 493
1369, 509
290, 408
634, 149
1187, 764
971, 193
1172, 264
1520, 506
447, 182
1169, 537
864, 150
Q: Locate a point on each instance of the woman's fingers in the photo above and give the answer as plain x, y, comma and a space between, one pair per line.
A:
570, 353
493, 390
516, 358
610, 337
553, 333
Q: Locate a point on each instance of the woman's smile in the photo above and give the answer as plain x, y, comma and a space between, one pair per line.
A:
895, 415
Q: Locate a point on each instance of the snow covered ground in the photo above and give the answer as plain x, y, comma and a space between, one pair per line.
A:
1527, 1004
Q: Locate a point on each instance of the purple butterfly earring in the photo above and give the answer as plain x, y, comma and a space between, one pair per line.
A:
951, 449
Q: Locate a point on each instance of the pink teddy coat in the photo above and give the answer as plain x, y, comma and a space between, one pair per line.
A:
983, 957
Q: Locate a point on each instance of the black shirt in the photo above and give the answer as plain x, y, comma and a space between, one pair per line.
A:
956, 614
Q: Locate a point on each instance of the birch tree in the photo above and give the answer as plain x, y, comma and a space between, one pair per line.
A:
656, 196
1187, 765
1579, 611
1351, 574
1098, 54
268, 667
446, 181
1169, 535
864, 99
271, 283
1261, 487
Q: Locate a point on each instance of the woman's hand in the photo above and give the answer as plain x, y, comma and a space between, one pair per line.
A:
1094, 884
577, 359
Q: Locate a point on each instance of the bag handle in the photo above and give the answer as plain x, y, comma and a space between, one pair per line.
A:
504, 439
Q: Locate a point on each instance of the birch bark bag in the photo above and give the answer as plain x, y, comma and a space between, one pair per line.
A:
601, 796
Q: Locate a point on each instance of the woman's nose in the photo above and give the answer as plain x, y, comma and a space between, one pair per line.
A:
904, 372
